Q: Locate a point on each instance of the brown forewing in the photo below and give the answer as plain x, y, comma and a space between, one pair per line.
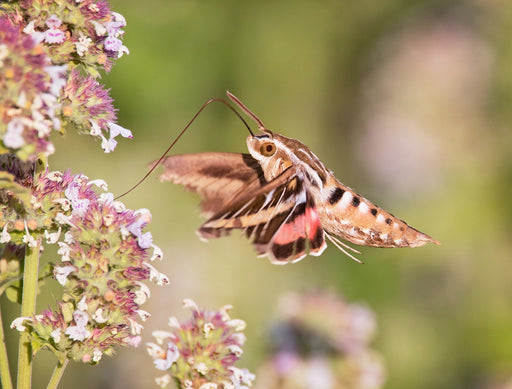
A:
218, 178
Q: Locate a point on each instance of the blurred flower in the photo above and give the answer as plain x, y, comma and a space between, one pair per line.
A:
321, 342
201, 353
101, 271
85, 31
423, 105
29, 89
44, 48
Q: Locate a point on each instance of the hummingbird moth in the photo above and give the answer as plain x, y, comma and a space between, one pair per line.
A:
284, 199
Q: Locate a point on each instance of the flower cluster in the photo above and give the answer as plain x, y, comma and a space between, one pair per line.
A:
201, 353
320, 341
85, 32
104, 261
89, 107
29, 90
45, 47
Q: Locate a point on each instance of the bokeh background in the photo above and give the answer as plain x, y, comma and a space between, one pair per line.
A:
408, 102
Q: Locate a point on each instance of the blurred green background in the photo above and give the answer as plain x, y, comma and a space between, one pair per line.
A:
408, 102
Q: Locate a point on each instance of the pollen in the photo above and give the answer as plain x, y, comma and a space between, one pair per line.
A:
19, 225
9, 73
32, 224
109, 295
38, 50
67, 111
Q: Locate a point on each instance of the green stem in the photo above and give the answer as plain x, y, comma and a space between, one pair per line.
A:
28, 307
57, 373
5, 375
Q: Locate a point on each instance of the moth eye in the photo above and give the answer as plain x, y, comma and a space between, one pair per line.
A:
267, 149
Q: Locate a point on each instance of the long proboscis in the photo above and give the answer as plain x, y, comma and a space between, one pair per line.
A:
179, 136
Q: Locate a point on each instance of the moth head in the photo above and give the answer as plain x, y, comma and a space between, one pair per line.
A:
267, 151
262, 146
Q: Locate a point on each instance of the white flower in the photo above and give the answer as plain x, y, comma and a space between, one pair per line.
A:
82, 45
12, 137
68, 237
154, 350
80, 206
62, 273
163, 381
55, 176
133, 341
99, 28
30, 240
157, 277
56, 334
173, 322
96, 355
116, 129
201, 368
82, 305
108, 145
144, 315
237, 324
98, 316
239, 337
54, 35
145, 240
63, 219
95, 128
52, 237
79, 332
64, 250
119, 19
241, 377
145, 214
224, 312
4, 51
100, 184
209, 385
189, 303
207, 328
64, 203
18, 323
157, 253
136, 328
53, 21
5, 237
234, 349
172, 354
142, 294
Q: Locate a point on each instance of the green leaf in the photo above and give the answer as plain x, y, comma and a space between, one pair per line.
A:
13, 293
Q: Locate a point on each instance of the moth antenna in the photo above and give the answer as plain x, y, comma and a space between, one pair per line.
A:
179, 136
248, 112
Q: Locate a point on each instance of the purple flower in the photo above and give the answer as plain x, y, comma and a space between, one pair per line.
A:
202, 351
101, 271
90, 28
53, 21
54, 35
79, 331
322, 342
28, 116
13, 137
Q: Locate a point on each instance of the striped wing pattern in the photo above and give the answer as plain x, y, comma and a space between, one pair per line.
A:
279, 217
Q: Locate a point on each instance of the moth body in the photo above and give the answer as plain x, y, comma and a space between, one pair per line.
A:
284, 200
